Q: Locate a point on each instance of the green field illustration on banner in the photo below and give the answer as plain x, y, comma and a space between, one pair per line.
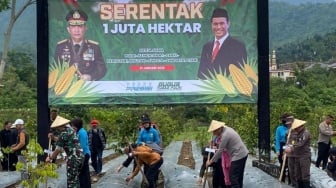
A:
153, 52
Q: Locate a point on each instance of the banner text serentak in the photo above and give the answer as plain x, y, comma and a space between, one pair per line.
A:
150, 11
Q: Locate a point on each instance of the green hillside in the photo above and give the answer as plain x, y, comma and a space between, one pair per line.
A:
289, 23
24, 31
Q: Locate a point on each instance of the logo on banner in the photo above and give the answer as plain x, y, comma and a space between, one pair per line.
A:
169, 86
139, 86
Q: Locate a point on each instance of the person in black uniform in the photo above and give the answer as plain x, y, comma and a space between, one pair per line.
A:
84, 54
223, 50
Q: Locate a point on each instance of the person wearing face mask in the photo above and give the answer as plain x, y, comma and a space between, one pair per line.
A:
97, 144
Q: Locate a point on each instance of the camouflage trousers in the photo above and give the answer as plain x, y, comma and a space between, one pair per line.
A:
73, 166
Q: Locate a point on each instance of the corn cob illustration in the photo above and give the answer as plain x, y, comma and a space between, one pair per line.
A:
226, 83
52, 78
250, 73
64, 82
74, 88
240, 80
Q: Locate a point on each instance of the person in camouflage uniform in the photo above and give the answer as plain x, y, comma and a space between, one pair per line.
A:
301, 149
67, 140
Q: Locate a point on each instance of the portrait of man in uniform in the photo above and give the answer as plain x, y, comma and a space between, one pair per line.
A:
84, 54
223, 50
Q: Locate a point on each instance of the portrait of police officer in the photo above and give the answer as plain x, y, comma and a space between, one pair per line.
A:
85, 54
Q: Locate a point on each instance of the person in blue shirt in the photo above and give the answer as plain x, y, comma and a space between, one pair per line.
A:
84, 176
280, 141
148, 134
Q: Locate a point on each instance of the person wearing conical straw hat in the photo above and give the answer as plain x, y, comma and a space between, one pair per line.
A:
300, 148
233, 144
68, 140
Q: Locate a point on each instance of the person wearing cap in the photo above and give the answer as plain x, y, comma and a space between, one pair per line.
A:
300, 147
233, 144
21, 144
148, 134
324, 141
68, 140
281, 140
97, 144
223, 50
84, 54
84, 176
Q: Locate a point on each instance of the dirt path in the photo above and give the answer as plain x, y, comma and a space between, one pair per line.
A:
186, 155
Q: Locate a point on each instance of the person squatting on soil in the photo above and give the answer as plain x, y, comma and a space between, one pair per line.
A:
84, 175
281, 134
21, 146
97, 144
232, 143
331, 166
147, 135
324, 141
6, 141
68, 140
151, 159
300, 147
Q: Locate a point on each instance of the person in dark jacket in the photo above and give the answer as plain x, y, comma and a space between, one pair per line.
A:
97, 144
203, 171
5, 141
331, 166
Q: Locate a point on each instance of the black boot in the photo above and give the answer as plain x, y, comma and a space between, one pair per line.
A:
298, 184
305, 184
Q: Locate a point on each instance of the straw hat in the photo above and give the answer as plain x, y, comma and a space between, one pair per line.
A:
297, 123
59, 121
215, 125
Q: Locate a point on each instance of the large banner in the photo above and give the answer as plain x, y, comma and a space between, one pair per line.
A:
153, 52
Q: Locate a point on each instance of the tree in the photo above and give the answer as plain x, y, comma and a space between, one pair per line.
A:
15, 14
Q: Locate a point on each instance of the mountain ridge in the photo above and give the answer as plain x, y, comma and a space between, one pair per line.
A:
288, 22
